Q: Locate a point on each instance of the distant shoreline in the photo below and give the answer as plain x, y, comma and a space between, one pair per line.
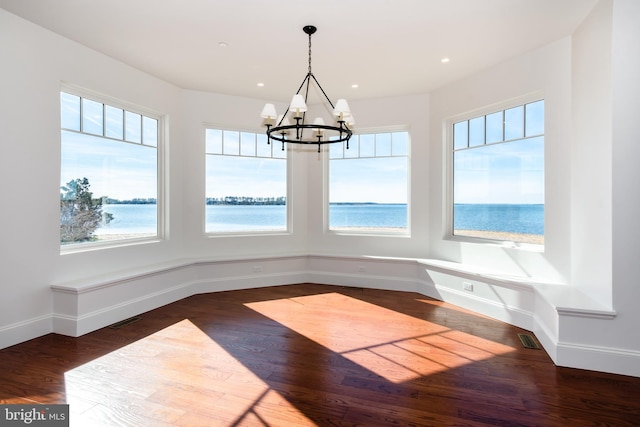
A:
210, 201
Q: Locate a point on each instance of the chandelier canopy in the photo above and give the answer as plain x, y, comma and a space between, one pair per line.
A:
279, 127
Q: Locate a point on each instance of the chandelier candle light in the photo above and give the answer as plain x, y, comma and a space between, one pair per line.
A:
279, 127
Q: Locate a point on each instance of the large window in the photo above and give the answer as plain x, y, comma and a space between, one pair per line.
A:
109, 171
246, 183
368, 183
498, 175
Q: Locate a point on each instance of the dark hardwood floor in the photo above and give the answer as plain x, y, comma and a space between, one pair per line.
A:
309, 354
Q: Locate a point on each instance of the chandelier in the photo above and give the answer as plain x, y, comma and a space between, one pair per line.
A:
280, 128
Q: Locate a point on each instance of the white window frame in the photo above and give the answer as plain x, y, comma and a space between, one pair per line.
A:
448, 196
274, 147
405, 232
161, 202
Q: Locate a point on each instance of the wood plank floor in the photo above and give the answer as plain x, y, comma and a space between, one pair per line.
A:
304, 355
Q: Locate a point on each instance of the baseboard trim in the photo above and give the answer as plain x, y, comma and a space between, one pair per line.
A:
78, 325
594, 358
503, 312
363, 281
148, 289
23, 331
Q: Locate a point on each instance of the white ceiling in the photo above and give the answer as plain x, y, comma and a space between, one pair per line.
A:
386, 47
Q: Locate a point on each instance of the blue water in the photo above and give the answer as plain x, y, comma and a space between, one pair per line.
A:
130, 219
527, 219
373, 215
245, 218
261, 217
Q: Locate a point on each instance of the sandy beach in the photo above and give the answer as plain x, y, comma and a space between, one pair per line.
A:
535, 239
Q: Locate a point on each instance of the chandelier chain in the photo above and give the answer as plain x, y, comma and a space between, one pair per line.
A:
309, 53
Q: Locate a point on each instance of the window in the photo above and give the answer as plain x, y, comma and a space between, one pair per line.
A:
368, 183
498, 175
109, 171
246, 188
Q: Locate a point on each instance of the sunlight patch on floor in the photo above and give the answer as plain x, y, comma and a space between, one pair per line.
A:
396, 346
334, 328
180, 362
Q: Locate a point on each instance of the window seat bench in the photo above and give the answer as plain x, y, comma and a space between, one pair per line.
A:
566, 299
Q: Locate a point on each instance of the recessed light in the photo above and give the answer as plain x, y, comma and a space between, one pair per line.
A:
260, 84
355, 86
444, 60
223, 44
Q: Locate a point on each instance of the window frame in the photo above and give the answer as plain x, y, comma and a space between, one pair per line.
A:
161, 147
288, 168
404, 232
448, 143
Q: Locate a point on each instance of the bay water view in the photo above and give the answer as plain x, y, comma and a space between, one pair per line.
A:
503, 218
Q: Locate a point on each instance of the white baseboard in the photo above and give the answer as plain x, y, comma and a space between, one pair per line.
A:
23, 331
603, 359
76, 326
246, 282
128, 296
363, 281
490, 308
75, 323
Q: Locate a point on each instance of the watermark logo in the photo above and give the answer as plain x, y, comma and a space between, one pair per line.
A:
34, 415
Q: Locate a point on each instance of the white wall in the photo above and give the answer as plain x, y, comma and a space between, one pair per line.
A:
591, 151
605, 205
229, 112
590, 85
306, 192
34, 63
411, 112
545, 71
626, 174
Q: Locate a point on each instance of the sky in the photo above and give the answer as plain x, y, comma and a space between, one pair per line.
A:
246, 176
499, 158
115, 169
377, 180
510, 172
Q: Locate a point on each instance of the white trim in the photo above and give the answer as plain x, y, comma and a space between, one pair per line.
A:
373, 231
495, 107
103, 98
288, 158
25, 330
580, 312
126, 294
448, 172
503, 312
162, 156
597, 358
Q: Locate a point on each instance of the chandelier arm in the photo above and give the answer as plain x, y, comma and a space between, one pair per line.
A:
306, 95
306, 79
322, 90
